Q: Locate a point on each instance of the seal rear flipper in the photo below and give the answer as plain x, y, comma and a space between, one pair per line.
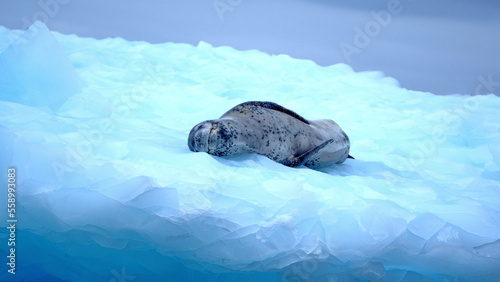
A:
307, 156
326, 154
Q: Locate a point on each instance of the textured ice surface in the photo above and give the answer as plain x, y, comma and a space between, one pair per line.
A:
109, 191
33, 66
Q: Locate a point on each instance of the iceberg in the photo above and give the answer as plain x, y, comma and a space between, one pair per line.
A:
107, 189
35, 70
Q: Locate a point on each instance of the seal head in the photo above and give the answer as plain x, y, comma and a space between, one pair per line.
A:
214, 137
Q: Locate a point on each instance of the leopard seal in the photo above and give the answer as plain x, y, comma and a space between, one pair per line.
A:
268, 129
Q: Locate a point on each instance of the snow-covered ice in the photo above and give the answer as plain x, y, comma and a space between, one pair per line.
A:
109, 191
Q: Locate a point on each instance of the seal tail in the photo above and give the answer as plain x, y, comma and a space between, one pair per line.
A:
350, 157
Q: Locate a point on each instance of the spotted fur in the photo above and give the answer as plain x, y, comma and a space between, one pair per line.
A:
271, 130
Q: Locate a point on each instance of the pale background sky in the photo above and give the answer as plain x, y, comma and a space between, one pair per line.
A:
443, 47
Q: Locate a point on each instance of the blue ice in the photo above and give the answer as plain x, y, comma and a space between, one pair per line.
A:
109, 191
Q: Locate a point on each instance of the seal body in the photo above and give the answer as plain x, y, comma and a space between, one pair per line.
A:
271, 130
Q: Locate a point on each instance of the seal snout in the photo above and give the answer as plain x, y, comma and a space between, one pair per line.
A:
198, 137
